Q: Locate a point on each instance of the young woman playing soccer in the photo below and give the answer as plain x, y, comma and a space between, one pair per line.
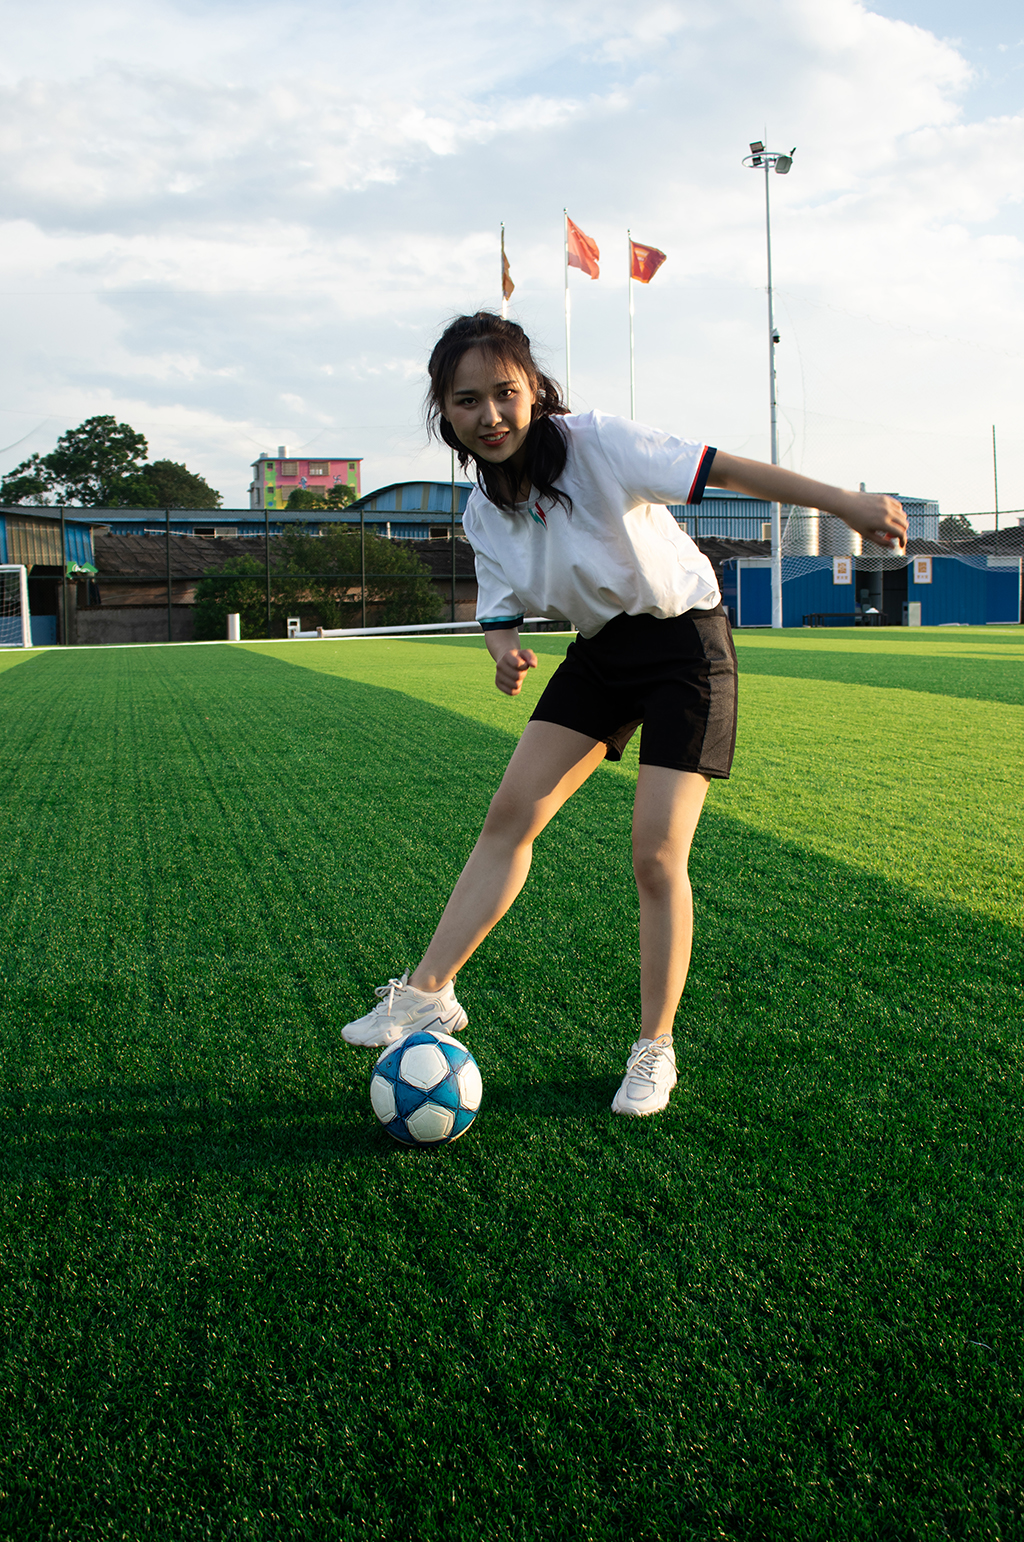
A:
568, 521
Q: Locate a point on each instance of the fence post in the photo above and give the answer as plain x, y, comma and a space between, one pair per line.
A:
362, 557
167, 540
266, 543
63, 579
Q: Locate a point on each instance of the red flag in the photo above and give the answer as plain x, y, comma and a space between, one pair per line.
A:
583, 252
507, 285
644, 261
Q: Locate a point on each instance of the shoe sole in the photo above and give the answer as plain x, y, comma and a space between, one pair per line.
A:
632, 1111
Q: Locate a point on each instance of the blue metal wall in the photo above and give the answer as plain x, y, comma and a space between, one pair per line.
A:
756, 596
77, 537
747, 589
78, 544
739, 518
1003, 595
809, 593
957, 593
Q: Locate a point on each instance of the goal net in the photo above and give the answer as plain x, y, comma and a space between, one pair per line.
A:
15, 625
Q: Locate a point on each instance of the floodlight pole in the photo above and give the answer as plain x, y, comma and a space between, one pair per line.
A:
770, 159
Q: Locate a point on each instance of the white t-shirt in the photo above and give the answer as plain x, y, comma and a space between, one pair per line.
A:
619, 550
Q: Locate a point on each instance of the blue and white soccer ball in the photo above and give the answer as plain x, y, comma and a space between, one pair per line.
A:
426, 1089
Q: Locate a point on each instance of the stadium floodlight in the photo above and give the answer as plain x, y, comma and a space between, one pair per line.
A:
760, 158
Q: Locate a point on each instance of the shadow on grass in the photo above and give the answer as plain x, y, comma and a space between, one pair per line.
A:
168, 1130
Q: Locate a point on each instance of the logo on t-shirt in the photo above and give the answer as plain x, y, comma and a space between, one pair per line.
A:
539, 515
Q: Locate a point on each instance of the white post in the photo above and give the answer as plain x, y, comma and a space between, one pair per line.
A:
504, 302
776, 507
632, 367
234, 627
26, 617
565, 242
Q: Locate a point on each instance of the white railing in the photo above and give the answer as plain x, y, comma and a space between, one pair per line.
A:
323, 633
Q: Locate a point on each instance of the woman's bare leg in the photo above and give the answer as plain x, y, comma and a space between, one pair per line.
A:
547, 767
665, 813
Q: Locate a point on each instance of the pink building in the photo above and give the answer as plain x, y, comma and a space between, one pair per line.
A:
275, 476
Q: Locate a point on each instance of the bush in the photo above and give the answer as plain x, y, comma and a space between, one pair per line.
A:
398, 587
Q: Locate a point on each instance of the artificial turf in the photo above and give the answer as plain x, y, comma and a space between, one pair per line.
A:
787, 1308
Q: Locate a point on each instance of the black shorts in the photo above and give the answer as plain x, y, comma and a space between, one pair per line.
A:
676, 677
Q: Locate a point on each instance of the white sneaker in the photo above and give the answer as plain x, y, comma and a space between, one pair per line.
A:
404, 1009
649, 1079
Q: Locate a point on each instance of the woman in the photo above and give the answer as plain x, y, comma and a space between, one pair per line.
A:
568, 521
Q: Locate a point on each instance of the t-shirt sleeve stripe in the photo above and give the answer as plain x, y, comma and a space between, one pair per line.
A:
707, 460
499, 623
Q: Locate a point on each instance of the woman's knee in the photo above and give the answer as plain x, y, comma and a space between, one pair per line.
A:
510, 817
658, 868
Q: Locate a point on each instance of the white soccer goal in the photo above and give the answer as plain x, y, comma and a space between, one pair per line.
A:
15, 622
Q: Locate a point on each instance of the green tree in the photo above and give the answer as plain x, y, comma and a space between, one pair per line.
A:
101, 464
318, 578
240, 586
28, 483
956, 527
171, 486
337, 497
303, 498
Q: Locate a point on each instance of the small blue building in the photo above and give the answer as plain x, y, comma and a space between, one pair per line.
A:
929, 589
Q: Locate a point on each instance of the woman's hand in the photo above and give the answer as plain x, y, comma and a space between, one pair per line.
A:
878, 518
512, 666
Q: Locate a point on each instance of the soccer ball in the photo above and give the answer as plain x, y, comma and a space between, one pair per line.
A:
426, 1089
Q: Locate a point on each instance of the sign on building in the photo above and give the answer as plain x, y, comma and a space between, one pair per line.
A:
842, 570
922, 570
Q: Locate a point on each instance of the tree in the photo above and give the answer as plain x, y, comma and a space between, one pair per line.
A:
173, 486
398, 587
956, 527
27, 483
302, 498
101, 464
337, 497
341, 496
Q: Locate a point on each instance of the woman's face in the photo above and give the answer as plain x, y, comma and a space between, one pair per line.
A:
490, 407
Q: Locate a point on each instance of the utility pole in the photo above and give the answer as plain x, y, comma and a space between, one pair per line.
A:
757, 158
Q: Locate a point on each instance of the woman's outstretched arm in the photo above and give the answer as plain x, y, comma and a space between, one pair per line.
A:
873, 515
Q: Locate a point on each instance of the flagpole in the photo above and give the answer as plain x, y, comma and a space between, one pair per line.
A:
565, 235
632, 365
504, 302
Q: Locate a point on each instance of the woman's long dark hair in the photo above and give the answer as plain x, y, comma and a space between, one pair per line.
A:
506, 345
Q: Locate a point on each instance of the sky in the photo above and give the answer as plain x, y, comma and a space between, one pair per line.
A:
238, 225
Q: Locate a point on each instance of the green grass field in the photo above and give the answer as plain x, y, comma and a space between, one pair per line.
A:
790, 1307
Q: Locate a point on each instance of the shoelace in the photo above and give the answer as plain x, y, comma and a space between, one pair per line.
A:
645, 1060
388, 990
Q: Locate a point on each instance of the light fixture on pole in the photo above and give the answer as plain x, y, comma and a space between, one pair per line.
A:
760, 157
